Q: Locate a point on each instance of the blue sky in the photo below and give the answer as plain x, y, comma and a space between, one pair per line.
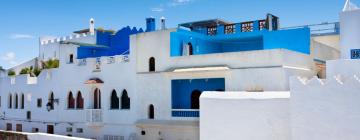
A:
23, 21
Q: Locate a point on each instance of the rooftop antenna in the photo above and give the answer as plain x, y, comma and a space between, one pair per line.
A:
349, 6
92, 26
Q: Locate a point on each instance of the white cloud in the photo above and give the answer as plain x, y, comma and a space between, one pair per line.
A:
21, 36
179, 2
10, 57
157, 9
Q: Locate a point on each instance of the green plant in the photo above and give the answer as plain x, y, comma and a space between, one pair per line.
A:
25, 71
52, 63
11, 73
36, 72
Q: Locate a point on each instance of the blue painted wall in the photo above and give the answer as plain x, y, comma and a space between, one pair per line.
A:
117, 43
294, 39
181, 90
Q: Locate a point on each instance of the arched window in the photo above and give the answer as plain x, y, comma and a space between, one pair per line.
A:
125, 100
16, 101
97, 98
195, 103
151, 112
22, 103
114, 101
190, 49
71, 101
51, 101
79, 101
10, 101
71, 58
152, 64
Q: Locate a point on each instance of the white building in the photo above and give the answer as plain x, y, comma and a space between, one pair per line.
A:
146, 85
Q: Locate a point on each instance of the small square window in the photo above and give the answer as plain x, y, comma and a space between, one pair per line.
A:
79, 130
35, 130
39, 102
69, 129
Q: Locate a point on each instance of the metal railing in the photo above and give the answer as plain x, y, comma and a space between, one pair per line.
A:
185, 113
94, 116
325, 28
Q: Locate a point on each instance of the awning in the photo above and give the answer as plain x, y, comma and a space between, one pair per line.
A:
94, 81
204, 23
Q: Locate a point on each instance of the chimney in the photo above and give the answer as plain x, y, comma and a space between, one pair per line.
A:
150, 24
92, 26
162, 21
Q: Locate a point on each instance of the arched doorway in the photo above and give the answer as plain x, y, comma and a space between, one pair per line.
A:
190, 49
151, 112
152, 64
195, 96
97, 98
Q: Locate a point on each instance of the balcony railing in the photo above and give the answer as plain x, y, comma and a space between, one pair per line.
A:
185, 113
94, 116
82, 62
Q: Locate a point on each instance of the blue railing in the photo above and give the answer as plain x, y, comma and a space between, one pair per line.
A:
185, 113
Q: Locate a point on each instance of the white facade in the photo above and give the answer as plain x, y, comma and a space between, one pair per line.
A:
260, 70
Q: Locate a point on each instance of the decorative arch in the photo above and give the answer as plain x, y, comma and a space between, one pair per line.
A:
151, 64
125, 100
114, 100
10, 101
151, 112
22, 102
97, 99
71, 101
195, 96
79, 101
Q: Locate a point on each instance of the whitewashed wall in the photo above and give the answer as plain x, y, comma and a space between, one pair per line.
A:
245, 116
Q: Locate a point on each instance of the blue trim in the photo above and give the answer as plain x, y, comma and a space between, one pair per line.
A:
185, 113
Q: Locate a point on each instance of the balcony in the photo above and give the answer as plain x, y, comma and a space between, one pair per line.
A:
185, 113
94, 117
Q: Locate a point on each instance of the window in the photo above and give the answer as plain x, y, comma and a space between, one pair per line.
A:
247, 26
28, 115
69, 129
22, 103
114, 101
151, 112
50, 129
79, 130
191, 50
16, 101
212, 30
71, 101
71, 58
79, 101
8, 127
51, 101
195, 95
39, 102
152, 64
10, 101
229, 29
35, 130
125, 100
19, 127
97, 99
